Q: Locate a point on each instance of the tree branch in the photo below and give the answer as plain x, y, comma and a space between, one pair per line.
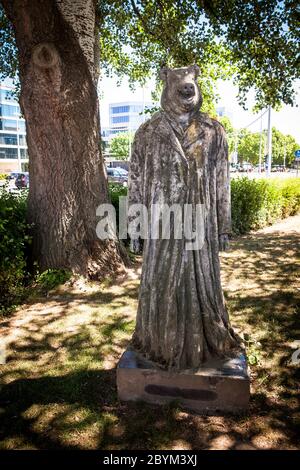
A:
138, 14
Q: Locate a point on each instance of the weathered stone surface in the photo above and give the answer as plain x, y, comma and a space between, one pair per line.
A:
220, 385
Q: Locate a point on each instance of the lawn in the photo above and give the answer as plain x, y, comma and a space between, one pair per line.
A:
58, 387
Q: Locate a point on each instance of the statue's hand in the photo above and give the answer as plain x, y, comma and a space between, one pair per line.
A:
223, 242
136, 246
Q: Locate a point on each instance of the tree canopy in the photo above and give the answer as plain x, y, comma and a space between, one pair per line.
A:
255, 42
283, 147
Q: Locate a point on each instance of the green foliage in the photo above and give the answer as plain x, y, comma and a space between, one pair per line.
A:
254, 41
3, 176
283, 146
253, 356
151, 110
120, 145
226, 123
8, 55
14, 242
248, 147
256, 203
253, 349
116, 191
52, 278
290, 190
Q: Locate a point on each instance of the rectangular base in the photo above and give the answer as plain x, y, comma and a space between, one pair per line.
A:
220, 385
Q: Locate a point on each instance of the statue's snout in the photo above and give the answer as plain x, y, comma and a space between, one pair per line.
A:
187, 89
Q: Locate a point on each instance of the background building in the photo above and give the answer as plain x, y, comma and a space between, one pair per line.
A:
13, 148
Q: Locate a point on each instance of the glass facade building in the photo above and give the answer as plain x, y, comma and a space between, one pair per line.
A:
126, 116
13, 147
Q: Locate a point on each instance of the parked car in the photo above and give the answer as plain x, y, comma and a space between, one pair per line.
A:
261, 168
22, 181
233, 168
246, 167
117, 175
279, 168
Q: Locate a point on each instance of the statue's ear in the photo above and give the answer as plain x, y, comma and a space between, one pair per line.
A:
163, 73
195, 69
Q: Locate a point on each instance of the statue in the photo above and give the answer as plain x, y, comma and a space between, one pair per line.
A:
180, 157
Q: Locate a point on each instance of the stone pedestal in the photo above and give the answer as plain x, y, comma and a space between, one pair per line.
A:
220, 385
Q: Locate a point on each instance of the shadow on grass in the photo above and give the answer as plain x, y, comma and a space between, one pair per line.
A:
59, 391
90, 396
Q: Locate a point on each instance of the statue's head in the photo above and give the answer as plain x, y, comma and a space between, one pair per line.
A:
181, 93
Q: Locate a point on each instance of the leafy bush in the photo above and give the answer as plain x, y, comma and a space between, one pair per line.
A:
290, 190
256, 203
14, 241
3, 176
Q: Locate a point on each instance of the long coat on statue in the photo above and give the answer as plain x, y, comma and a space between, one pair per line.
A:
182, 319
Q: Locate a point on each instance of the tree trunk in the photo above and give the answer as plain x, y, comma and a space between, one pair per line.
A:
58, 72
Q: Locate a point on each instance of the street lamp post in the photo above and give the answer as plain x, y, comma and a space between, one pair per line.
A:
260, 145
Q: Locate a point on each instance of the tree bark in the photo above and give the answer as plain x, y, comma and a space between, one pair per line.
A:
58, 73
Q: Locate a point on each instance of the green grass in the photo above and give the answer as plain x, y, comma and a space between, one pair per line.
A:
58, 388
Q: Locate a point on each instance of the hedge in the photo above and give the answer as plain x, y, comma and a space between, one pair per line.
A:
14, 241
255, 204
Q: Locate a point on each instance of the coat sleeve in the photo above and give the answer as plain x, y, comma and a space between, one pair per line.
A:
223, 183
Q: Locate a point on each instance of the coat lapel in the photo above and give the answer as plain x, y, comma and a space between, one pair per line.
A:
168, 131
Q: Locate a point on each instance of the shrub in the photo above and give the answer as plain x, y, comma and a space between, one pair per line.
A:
255, 203
116, 191
14, 241
291, 196
3, 176
52, 278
